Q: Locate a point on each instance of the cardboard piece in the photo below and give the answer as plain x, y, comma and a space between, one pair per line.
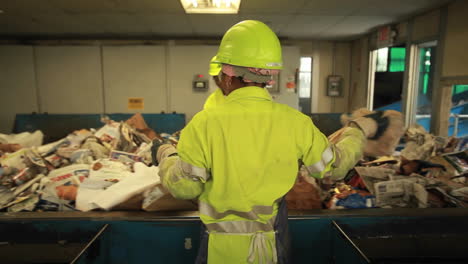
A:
160, 199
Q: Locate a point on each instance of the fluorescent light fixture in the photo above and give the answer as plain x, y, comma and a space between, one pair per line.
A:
211, 6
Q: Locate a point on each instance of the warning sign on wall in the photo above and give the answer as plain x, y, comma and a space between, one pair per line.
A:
136, 103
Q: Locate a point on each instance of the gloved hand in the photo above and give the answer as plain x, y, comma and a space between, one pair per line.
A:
373, 125
161, 150
382, 129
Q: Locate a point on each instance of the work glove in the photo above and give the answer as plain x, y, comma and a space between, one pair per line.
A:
383, 129
161, 150
373, 125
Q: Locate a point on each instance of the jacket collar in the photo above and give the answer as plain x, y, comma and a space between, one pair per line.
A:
249, 92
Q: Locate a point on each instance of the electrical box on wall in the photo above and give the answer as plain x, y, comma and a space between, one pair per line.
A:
200, 83
335, 85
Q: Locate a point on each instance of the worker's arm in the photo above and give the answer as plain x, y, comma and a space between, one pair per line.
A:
348, 150
345, 147
323, 158
185, 174
179, 180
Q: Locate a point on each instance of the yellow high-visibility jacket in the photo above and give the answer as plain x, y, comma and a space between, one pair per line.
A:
239, 158
216, 98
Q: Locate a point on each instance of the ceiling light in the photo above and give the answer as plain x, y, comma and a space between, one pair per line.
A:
1, 12
211, 6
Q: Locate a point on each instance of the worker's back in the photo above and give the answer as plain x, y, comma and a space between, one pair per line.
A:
251, 146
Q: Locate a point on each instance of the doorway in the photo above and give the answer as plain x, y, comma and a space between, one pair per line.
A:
305, 78
386, 78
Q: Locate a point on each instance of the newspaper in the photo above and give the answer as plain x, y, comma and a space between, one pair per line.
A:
48, 149
109, 132
125, 156
400, 193
25, 205
372, 175
88, 190
70, 175
419, 145
461, 193
143, 179
6, 196
77, 137
14, 160
25, 139
459, 160
109, 170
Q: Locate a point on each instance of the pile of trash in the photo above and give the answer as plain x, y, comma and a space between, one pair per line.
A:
109, 168
429, 172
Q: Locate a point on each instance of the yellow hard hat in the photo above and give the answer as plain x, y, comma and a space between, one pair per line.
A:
250, 43
215, 67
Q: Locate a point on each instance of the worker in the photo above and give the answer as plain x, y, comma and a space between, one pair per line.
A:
217, 97
240, 158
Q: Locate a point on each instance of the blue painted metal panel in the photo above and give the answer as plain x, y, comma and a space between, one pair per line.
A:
167, 123
314, 239
342, 251
57, 126
311, 241
154, 242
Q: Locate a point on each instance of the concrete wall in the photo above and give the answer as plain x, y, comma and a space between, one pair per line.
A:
455, 56
17, 84
328, 58
359, 73
134, 71
100, 79
426, 26
69, 79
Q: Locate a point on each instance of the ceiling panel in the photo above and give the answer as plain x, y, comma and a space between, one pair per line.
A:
292, 18
17, 24
116, 23
168, 25
353, 25
278, 7
86, 6
153, 6
276, 22
212, 25
27, 6
397, 7
310, 26
332, 7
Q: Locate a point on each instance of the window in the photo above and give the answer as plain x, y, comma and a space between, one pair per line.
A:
459, 112
382, 60
397, 59
304, 78
458, 89
391, 59
423, 92
305, 74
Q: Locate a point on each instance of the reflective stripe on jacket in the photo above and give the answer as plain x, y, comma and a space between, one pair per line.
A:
239, 158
